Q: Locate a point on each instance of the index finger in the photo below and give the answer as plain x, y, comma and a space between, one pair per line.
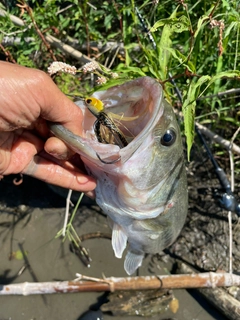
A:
29, 93
56, 106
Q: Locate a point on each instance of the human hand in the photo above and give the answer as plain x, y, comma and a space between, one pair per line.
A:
28, 99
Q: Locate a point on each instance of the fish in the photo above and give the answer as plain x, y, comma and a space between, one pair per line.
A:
141, 187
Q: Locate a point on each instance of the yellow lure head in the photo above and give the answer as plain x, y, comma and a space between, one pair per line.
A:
94, 105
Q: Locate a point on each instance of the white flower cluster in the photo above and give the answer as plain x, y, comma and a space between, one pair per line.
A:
57, 66
101, 80
90, 66
216, 23
114, 75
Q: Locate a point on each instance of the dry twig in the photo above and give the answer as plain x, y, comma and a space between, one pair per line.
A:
7, 54
181, 281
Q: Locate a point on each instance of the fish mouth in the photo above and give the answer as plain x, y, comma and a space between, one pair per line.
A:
135, 108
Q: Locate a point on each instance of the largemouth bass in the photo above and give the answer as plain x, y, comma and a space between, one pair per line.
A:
141, 187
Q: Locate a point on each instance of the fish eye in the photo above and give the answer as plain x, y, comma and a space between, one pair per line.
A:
168, 138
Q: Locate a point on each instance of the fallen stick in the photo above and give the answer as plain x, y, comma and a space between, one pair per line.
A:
219, 297
51, 40
74, 43
56, 43
15, 41
215, 137
218, 139
220, 94
65, 48
17, 21
88, 284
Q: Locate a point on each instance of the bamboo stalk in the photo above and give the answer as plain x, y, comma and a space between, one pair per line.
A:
186, 281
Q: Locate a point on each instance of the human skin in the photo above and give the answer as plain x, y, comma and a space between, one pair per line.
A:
28, 99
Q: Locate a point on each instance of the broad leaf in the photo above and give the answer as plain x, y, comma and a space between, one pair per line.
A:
176, 24
188, 108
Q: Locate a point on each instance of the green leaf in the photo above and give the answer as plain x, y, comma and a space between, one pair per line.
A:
164, 54
131, 46
19, 255
188, 108
153, 72
65, 23
181, 25
158, 24
107, 21
176, 24
233, 25
181, 58
165, 42
129, 69
225, 74
111, 83
221, 75
200, 24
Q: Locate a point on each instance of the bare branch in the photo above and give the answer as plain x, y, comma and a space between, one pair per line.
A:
219, 297
67, 49
220, 94
187, 281
218, 139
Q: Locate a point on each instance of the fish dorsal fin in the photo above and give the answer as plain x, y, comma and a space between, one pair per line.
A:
119, 240
132, 262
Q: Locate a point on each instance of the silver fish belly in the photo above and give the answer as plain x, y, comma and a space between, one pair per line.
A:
142, 187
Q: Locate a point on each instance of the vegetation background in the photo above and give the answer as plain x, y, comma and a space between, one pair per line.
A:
192, 46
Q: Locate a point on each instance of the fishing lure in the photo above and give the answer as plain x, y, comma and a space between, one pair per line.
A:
96, 107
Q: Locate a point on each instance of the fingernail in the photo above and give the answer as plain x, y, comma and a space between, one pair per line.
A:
90, 194
82, 179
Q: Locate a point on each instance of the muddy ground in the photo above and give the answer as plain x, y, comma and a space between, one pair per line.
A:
32, 214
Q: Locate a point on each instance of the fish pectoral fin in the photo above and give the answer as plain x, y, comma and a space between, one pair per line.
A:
132, 262
119, 240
